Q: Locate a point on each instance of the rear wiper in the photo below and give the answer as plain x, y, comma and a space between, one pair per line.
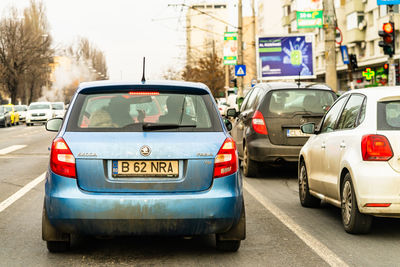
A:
157, 126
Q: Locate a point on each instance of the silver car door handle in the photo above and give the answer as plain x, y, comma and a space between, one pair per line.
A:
323, 146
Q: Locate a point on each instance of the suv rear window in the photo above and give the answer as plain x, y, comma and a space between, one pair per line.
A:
389, 115
300, 100
136, 112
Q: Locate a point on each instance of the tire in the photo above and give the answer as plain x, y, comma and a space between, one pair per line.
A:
353, 221
250, 167
57, 246
228, 245
306, 199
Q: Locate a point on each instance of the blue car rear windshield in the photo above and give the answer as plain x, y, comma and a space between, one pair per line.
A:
137, 111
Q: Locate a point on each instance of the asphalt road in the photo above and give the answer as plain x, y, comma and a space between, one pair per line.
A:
279, 231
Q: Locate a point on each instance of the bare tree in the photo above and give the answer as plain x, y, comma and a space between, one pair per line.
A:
89, 53
24, 52
209, 70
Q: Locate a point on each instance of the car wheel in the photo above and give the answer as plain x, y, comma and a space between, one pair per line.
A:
353, 221
250, 167
57, 246
228, 245
306, 199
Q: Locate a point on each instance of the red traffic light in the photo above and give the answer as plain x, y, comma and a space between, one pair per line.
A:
388, 27
386, 66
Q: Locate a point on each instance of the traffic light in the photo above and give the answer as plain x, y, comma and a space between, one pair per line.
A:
397, 73
353, 61
388, 38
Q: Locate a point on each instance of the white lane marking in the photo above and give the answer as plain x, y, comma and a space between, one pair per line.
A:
11, 149
20, 193
324, 252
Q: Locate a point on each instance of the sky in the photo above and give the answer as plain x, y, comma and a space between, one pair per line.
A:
125, 30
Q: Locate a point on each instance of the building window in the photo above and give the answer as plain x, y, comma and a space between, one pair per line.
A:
384, 10
354, 19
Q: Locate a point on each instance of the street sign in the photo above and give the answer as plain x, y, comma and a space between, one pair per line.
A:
309, 19
230, 48
339, 36
345, 54
240, 70
388, 2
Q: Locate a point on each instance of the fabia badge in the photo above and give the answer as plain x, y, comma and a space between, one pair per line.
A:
145, 151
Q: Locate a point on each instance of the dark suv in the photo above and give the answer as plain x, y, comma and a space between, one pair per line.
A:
267, 128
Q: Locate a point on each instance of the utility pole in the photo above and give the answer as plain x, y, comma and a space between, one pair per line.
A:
227, 74
254, 43
240, 48
330, 44
392, 67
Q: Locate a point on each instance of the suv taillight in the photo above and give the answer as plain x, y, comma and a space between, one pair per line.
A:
376, 148
226, 161
258, 123
62, 162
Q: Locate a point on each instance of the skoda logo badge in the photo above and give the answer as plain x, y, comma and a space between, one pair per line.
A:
145, 151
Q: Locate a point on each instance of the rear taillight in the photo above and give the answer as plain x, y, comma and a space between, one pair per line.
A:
258, 123
376, 148
62, 162
226, 161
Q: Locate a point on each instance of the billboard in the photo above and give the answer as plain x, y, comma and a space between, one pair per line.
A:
309, 19
230, 48
286, 57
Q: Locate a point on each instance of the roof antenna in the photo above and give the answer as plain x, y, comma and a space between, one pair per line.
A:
298, 81
144, 64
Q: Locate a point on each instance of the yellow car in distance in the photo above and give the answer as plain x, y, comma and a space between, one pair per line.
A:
14, 114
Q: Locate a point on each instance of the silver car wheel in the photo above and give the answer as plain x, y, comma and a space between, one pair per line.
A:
347, 204
303, 182
245, 159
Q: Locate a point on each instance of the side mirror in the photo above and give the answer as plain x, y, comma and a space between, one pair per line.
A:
231, 112
308, 128
228, 125
54, 125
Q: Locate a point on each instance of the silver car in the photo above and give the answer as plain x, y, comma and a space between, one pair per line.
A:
352, 160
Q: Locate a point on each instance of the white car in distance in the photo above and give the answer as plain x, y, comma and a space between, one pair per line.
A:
39, 112
353, 159
58, 109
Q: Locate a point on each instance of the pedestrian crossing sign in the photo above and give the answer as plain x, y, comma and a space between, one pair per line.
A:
240, 70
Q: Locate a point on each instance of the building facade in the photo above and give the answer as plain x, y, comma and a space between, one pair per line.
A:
359, 22
205, 27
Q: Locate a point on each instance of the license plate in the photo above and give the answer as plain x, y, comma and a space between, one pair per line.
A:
296, 133
145, 168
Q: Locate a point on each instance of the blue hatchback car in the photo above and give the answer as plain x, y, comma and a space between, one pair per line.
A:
150, 158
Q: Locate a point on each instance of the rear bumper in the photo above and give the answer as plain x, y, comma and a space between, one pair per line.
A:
72, 210
377, 182
262, 150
